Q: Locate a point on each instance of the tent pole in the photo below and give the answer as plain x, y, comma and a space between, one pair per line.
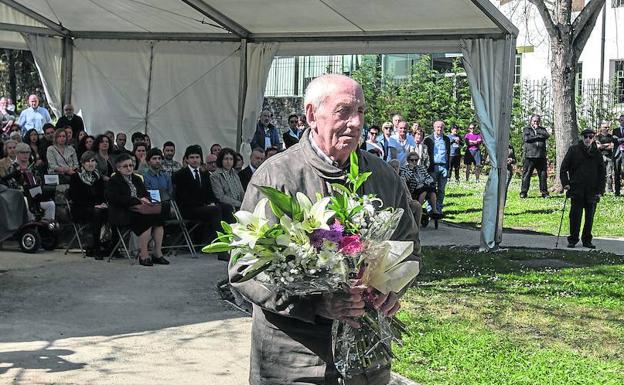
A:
67, 70
149, 87
503, 133
242, 92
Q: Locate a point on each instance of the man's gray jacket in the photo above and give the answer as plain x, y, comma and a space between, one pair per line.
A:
290, 343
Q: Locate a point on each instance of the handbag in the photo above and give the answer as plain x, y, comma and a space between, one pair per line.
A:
147, 208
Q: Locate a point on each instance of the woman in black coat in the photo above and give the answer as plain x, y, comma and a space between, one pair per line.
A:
125, 193
87, 202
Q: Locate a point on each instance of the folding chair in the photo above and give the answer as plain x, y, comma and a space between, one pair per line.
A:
78, 228
120, 220
183, 225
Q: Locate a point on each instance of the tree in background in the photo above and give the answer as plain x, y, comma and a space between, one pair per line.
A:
567, 40
19, 76
424, 96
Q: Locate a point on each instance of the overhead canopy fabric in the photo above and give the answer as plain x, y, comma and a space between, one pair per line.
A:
125, 66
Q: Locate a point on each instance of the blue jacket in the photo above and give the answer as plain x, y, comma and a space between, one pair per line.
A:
258, 138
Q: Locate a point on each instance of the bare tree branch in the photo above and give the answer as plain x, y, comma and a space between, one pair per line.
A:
590, 11
581, 36
552, 29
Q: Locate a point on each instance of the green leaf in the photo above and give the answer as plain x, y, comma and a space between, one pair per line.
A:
355, 210
354, 169
360, 180
257, 268
341, 188
276, 210
281, 200
217, 247
226, 227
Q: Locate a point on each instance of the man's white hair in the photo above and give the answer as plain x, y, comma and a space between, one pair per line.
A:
319, 89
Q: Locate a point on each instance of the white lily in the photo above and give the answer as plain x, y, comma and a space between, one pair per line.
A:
388, 270
315, 216
250, 226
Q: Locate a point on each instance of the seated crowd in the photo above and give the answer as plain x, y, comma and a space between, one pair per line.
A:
109, 183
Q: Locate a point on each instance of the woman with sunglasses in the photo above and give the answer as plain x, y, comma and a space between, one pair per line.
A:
125, 192
420, 183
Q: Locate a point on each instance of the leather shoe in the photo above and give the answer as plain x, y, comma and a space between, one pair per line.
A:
523, 195
145, 262
571, 245
589, 245
159, 261
225, 256
545, 195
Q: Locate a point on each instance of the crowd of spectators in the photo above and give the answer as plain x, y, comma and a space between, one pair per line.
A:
107, 176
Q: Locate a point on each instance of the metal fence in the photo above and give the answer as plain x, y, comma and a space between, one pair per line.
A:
594, 102
290, 75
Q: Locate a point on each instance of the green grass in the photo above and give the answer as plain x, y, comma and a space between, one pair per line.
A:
489, 318
464, 201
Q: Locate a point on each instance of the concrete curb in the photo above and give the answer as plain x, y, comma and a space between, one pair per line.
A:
397, 379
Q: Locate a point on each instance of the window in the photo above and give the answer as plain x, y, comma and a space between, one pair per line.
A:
617, 3
618, 78
518, 69
578, 83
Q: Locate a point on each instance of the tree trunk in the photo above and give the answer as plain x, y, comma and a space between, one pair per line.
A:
12, 77
563, 74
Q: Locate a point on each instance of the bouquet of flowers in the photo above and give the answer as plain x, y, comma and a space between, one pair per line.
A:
323, 247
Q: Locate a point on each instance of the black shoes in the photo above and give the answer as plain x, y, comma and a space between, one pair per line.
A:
523, 195
145, 262
571, 245
545, 195
224, 256
589, 245
159, 261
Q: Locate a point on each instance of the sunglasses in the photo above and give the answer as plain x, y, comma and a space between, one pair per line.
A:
588, 136
412, 160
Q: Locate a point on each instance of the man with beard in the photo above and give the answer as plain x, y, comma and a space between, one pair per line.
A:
583, 177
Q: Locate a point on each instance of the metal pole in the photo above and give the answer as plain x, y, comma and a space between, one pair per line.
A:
149, 87
561, 221
602, 55
242, 92
67, 70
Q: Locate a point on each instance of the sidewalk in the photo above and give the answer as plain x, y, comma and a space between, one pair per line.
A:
453, 235
69, 320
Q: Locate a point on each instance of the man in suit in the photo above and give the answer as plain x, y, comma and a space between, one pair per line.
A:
194, 195
618, 155
535, 137
255, 160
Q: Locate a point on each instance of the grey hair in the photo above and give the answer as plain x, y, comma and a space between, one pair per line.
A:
319, 89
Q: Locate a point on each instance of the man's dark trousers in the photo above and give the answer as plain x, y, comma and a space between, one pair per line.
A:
529, 165
587, 203
618, 164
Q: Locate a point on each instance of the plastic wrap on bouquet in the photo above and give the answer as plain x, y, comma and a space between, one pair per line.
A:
367, 348
380, 226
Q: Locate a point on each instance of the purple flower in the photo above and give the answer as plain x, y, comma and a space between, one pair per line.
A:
319, 236
337, 226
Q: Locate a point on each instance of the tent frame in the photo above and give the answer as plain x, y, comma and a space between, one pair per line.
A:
504, 30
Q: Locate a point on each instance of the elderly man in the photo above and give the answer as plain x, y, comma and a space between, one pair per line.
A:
405, 142
71, 120
267, 135
583, 176
535, 137
255, 160
291, 336
34, 116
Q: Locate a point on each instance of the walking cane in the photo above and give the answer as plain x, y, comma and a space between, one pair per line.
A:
561, 221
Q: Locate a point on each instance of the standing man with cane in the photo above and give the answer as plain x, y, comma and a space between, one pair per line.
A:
583, 177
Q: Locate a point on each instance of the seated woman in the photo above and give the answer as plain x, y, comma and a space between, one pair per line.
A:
125, 193
62, 159
31, 138
85, 144
225, 182
414, 205
21, 175
139, 151
102, 149
420, 183
88, 205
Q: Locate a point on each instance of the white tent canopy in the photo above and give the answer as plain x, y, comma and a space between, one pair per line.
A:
194, 71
